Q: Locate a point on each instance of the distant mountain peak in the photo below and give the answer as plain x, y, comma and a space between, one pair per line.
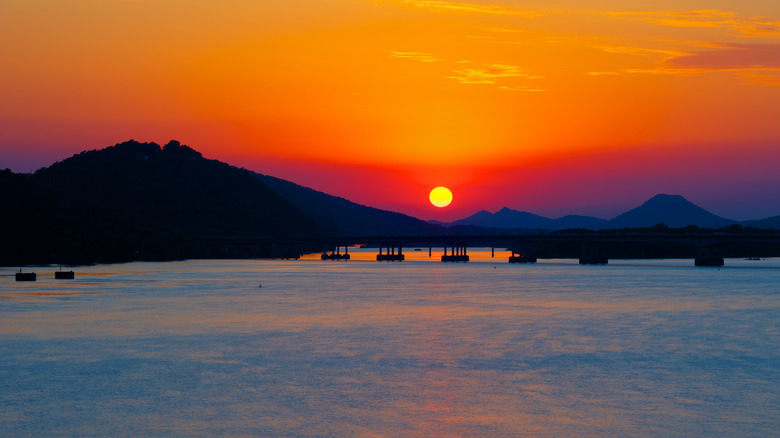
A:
667, 199
505, 218
673, 210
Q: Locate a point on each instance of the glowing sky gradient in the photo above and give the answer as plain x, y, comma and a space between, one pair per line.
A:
551, 107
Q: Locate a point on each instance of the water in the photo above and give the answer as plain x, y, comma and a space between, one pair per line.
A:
412, 349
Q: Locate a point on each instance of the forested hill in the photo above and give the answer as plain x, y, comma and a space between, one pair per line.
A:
136, 201
338, 216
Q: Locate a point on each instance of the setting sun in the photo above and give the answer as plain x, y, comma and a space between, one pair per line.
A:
441, 196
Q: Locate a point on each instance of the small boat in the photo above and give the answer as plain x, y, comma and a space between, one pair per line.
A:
64, 275
26, 276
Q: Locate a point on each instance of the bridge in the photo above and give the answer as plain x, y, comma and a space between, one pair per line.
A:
707, 249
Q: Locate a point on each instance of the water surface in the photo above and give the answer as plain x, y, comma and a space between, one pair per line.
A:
412, 349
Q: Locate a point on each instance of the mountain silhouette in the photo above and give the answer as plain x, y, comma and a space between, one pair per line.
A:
29, 219
506, 218
338, 216
672, 210
770, 222
140, 201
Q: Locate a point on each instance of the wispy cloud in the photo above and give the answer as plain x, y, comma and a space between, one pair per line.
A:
703, 14
416, 56
490, 74
707, 18
756, 62
768, 80
701, 18
759, 27
627, 50
656, 71
730, 56
473, 7
494, 73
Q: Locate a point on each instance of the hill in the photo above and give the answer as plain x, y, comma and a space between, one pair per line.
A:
506, 219
770, 222
29, 219
673, 210
338, 216
140, 201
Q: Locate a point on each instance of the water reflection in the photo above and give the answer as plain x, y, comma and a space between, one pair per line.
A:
412, 349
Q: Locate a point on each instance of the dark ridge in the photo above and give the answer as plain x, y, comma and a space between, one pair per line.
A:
338, 216
672, 210
140, 201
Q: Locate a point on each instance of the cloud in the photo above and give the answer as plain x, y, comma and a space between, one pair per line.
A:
730, 56
763, 79
757, 59
701, 13
657, 71
708, 18
711, 18
416, 56
472, 7
641, 51
490, 74
759, 27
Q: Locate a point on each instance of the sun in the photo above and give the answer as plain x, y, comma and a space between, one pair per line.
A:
441, 197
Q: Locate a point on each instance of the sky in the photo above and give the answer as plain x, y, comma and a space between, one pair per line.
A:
556, 107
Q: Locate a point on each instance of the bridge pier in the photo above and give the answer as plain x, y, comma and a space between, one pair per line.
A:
458, 253
337, 255
391, 255
521, 257
523, 253
591, 254
708, 256
283, 251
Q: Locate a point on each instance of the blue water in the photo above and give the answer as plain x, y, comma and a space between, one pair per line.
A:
412, 349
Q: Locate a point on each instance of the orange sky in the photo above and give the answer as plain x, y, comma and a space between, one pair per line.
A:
550, 107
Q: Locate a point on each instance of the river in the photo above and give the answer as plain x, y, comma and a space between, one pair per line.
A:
420, 348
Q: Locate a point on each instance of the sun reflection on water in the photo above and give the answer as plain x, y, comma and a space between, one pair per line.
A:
413, 349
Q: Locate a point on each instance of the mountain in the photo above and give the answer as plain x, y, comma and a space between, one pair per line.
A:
673, 210
338, 216
28, 221
140, 201
506, 218
770, 222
